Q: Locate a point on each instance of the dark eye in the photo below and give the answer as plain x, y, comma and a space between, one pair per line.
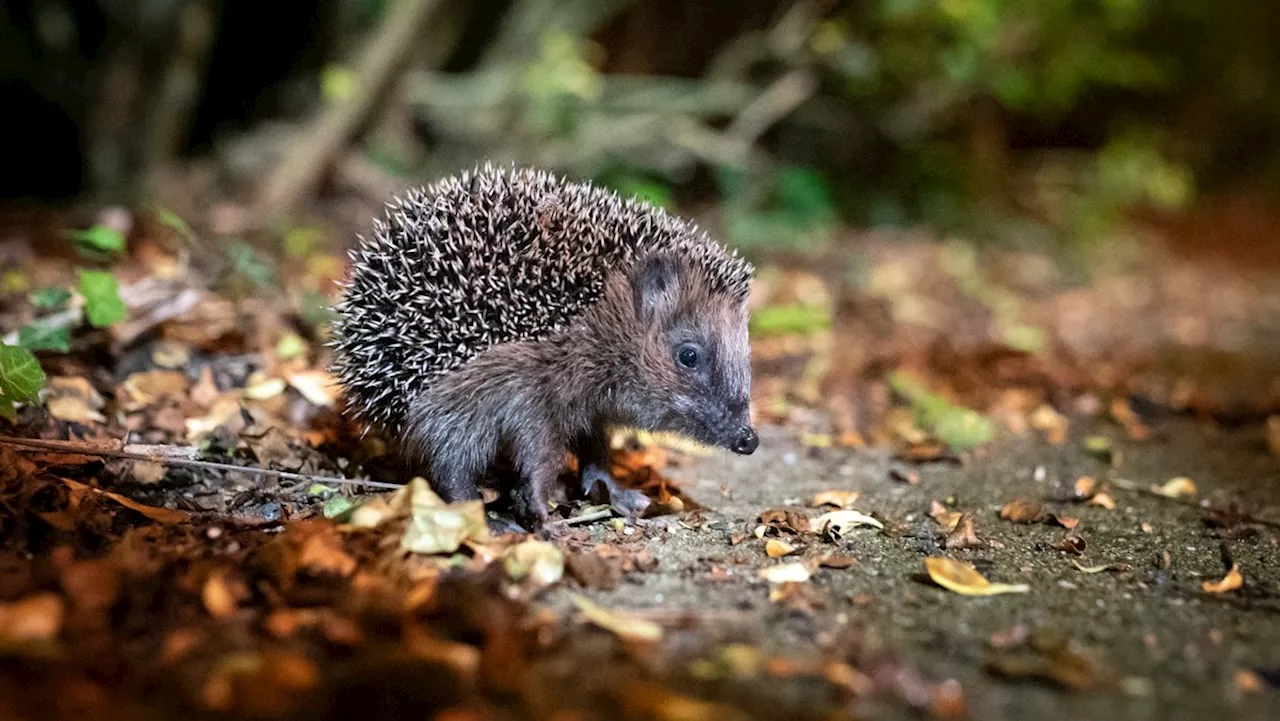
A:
688, 356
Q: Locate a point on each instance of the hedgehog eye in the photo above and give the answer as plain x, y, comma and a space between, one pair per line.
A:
688, 356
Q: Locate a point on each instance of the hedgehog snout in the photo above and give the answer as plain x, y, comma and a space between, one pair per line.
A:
746, 442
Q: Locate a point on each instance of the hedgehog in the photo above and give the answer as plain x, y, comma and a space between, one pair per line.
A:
510, 315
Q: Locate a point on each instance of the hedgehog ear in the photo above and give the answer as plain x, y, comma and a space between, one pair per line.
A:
654, 282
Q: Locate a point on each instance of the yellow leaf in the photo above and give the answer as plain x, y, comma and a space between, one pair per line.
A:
778, 549
964, 579
839, 499
1230, 582
786, 573
1176, 487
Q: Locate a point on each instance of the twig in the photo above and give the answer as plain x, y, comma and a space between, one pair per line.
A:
584, 518
175, 460
383, 55
777, 102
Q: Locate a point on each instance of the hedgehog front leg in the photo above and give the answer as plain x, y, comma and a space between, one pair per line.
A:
539, 463
593, 463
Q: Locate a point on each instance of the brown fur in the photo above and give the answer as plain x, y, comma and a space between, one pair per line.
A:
615, 365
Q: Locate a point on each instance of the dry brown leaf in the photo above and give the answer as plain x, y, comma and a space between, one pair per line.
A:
945, 518
35, 618
1022, 511
1067, 522
964, 535
837, 561
1230, 582
1103, 499
1175, 488
1124, 414
150, 387
1073, 543
1273, 435
1247, 681
1051, 423
777, 549
74, 400
619, 624
205, 391
218, 597
159, 515
1085, 487
839, 499
962, 578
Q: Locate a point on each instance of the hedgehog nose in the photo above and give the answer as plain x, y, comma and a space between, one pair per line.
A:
746, 442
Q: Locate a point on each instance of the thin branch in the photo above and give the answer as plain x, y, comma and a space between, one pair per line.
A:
584, 518
177, 459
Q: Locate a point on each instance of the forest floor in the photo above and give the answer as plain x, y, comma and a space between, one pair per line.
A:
984, 490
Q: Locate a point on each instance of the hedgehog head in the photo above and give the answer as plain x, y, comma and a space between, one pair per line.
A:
695, 361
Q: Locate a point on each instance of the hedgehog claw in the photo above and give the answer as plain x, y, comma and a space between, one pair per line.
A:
501, 525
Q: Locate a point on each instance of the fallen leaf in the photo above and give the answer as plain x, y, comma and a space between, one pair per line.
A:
35, 618
262, 387
945, 518
1233, 580
595, 571
1103, 499
74, 400
1124, 414
317, 386
1085, 487
622, 625
1051, 423
964, 579
1073, 543
964, 535
1176, 487
1022, 511
836, 524
777, 549
1273, 435
437, 527
784, 519
786, 573
218, 597
159, 515
150, 387
837, 561
839, 499
1067, 522
1247, 681
801, 597
1100, 569
540, 561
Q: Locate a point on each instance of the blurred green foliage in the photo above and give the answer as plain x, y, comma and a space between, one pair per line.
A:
21, 378
102, 303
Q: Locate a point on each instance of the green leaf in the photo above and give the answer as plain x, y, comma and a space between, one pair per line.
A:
99, 238
50, 297
102, 303
21, 378
39, 335
798, 318
958, 427
174, 222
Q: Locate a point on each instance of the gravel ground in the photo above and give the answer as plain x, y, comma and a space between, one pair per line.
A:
1166, 649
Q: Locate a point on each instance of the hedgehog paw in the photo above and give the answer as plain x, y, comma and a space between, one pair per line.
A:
501, 524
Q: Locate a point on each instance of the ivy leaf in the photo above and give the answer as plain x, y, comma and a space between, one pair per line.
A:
99, 238
50, 298
21, 378
102, 304
39, 335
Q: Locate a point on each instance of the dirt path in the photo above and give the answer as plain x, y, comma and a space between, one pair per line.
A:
1165, 648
